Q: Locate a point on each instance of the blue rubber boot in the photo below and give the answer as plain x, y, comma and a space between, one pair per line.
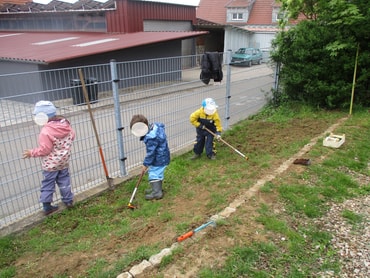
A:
48, 208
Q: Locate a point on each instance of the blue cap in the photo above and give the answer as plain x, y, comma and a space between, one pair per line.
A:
46, 107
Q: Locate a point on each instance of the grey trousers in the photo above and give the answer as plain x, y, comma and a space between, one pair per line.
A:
62, 179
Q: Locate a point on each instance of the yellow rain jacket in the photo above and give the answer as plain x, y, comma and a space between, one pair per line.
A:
212, 122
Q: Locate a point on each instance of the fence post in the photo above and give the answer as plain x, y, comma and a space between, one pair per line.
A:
276, 76
228, 84
117, 114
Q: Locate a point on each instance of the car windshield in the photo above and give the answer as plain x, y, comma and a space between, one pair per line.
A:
244, 51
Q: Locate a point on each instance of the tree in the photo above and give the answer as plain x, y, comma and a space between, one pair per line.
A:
294, 8
318, 56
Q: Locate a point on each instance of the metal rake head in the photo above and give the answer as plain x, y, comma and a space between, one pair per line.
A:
131, 206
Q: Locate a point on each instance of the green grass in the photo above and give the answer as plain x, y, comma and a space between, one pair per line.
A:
304, 195
301, 247
352, 218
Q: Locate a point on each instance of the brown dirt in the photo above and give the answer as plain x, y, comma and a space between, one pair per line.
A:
208, 248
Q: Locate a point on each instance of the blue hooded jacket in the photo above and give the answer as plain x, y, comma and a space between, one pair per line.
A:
157, 151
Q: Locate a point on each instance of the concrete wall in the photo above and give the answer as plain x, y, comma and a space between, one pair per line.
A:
187, 46
19, 84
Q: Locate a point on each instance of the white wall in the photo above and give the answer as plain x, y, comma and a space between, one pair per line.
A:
235, 38
263, 39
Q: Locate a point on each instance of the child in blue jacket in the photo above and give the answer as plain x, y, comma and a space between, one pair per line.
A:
157, 152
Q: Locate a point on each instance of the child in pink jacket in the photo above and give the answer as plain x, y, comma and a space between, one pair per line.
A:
55, 142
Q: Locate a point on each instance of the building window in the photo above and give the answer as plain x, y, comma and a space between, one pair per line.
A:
281, 15
237, 16
278, 15
63, 21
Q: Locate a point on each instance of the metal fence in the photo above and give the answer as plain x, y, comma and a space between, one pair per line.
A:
161, 89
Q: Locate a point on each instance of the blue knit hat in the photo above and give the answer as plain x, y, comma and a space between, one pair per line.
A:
46, 107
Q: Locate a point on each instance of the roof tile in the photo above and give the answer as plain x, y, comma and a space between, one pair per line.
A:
262, 12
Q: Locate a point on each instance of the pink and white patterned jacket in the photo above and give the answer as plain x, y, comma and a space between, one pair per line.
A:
55, 143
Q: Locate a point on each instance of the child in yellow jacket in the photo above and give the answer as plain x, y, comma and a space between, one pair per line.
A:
206, 117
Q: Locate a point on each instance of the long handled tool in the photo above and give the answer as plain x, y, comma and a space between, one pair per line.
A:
227, 144
191, 233
84, 90
130, 205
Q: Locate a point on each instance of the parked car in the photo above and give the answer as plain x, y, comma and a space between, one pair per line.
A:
246, 57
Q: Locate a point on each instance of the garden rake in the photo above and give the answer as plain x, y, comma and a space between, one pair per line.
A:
227, 144
130, 205
191, 233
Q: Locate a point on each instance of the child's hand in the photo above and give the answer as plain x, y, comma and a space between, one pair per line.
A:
27, 154
218, 136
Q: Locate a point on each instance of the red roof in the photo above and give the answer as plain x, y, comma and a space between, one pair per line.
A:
238, 3
51, 47
262, 13
215, 11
